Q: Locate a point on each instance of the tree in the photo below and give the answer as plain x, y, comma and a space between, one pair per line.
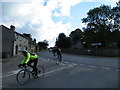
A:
99, 24
76, 35
42, 45
89, 36
63, 41
116, 25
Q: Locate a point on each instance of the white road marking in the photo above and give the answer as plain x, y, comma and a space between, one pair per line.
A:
48, 60
44, 59
62, 64
117, 70
16, 71
58, 69
66, 62
74, 64
82, 65
91, 66
0, 76
105, 68
11, 73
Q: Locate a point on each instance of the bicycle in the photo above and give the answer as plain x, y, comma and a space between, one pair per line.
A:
24, 75
59, 59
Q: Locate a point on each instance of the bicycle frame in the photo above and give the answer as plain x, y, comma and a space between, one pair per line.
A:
26, 71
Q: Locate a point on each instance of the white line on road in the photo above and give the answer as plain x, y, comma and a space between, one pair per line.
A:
48, 60
44, 59
82, 65
58, 69
117, 70
11, 73
16, 71
62, 64
105, 68
66, 62
91, 66
74, 64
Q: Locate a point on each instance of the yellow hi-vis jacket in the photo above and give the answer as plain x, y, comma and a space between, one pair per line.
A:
29, 57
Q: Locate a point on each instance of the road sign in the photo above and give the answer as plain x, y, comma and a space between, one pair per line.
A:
96, 44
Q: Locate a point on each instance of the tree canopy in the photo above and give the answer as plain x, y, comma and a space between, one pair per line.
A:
103, 26
76, 35
63, 41
43, 45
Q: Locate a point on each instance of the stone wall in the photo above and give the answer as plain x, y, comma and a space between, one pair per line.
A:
94, 52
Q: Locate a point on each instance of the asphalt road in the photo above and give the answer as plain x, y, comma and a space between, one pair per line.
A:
74, 72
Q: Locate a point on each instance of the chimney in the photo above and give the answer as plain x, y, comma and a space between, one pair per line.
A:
12, 27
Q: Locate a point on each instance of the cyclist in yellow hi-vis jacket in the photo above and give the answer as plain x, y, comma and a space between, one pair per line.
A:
28, 60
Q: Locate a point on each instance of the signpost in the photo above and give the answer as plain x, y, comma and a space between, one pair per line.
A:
96, 45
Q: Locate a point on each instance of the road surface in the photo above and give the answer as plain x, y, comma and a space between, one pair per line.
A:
74, 72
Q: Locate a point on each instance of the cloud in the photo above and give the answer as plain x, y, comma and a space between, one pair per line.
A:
36, 17
38, 14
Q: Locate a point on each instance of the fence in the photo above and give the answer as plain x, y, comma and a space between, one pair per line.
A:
108, 52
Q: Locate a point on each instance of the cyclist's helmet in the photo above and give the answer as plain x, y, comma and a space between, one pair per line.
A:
24, 51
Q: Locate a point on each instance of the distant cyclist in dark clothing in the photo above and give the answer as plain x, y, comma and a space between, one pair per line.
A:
57, 51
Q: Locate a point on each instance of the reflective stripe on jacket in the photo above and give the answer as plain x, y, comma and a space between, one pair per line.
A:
28, 57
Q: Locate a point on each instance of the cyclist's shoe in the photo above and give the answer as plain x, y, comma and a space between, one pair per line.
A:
38, 71
57, 63
33, 73
19, 65
35, 76
31, 70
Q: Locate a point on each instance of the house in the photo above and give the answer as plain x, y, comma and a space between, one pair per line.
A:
20, 43
32, 46
7, 41
13, 42
31, 43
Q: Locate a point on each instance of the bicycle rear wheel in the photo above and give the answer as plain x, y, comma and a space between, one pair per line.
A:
41, 70
57, 62
23, 77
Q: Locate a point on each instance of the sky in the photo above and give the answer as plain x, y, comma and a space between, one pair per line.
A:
45, 19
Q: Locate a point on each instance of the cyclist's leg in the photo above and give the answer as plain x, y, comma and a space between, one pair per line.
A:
29, 64
35, 66
54, 53
60, 56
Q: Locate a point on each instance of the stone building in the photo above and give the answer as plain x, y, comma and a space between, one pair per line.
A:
7, 40
31, 43
32, 46
13, 42
20, 43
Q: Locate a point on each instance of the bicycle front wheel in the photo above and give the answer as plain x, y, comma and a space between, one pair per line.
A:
23, 77
41, 70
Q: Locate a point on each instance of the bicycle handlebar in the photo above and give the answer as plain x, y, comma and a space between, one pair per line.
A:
23, 66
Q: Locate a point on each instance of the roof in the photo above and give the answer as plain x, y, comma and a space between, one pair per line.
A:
21, 35
4, 27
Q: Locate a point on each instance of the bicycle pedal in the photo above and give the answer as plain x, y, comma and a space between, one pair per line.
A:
39, 71
57, 63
